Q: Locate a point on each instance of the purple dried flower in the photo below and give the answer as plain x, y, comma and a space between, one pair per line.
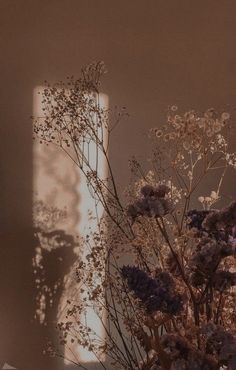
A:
210, 222
196, 218
152, 203
221, 343
165, 302
163, 278
184, 356
157, 294
232, 241
233, 233
132, 211
206, 221
206, 257
208, 254
197, 278
162, 190
158, 192
224, 219
155, 367
223, 280
148, 191
177, 346
139, 281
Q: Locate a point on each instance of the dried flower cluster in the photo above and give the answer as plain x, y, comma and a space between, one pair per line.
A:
152, 204
157, 294
160, 274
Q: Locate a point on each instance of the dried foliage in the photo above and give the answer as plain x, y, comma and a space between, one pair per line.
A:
160, 275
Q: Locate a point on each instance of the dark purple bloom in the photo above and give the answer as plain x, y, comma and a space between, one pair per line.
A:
165, 302
158, 192
218, 224
221, 343
139, 281
152, 203
206, 257
223, 280
148, 191
197, 278
184, 356
221, 220
196, 218
157, 294
233, 234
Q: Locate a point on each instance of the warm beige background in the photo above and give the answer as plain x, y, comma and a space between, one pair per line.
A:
157, 52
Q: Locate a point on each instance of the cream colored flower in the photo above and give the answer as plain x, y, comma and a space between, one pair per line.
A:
225, 116
214, 195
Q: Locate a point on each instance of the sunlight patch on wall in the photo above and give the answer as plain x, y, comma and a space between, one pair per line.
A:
57, 183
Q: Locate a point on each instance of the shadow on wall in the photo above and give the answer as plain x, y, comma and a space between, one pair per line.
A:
37, 259
23, 339
34, 263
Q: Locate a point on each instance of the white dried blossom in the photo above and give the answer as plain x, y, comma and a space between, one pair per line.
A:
225, 116
208, 201
201, 199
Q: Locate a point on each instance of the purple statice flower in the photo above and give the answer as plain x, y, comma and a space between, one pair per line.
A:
164, 278
159, 192
139, 282
184, 356
165, 302
206, 257
152, 202
223, 280
195, 218
208, 254
156, 366
221, 220
157, 294
218, 224
233, 233
197, 278
204, 262
232, 240
222, 344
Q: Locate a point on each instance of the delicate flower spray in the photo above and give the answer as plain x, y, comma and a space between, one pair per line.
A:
166, 271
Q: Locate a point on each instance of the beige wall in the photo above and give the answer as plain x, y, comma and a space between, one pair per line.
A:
157, 52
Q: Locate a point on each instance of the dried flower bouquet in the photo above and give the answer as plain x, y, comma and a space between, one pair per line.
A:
159, 274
